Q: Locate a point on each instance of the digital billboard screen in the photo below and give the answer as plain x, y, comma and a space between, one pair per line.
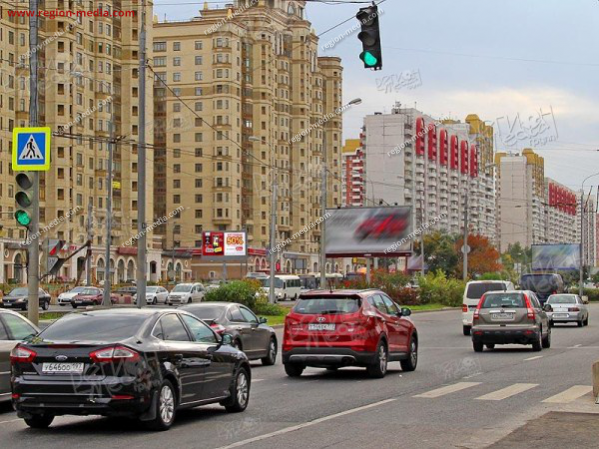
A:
224, 244
556, 257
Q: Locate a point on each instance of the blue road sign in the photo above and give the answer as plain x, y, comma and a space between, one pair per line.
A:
31, 149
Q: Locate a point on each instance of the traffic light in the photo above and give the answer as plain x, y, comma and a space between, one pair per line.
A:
370, 36
24, 199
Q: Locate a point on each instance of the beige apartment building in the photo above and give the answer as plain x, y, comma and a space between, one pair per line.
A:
247, 99
88, 71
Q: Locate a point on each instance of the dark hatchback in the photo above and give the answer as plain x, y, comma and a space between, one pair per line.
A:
250, 334
145, 364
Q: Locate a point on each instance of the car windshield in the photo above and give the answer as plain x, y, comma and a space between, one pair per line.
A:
21, 291
83, 326
205, 312
89, 291
493, 300
78, 289
182, 288
151, 289
542, 283
319, 305
478, 289
562, 299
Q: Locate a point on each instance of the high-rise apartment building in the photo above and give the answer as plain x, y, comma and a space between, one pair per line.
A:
587, 228
88, 72
245, 100
432, 165
560, 213
352, 190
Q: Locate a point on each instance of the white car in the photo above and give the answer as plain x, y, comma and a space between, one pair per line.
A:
154, 295
67, 297
473, 292
186, 293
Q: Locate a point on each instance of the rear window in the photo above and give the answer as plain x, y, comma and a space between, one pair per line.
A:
562, 299
327, 305
476, 291
542, 283
83, 326
205, 312
493, 300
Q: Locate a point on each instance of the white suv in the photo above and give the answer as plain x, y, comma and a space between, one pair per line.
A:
473, 292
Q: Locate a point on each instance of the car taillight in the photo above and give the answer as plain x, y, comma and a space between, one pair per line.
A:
218, 328
476, 315
573, 309
114, 354
464, 308
20, 354
530, 312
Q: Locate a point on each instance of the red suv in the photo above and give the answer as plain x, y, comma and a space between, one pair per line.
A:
332, 329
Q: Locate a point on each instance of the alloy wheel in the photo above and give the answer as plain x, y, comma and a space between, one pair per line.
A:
414, 352
272, 350
167, 404
383, 358
242, 389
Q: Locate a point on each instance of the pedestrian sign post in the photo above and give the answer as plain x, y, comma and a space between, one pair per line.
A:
31, 149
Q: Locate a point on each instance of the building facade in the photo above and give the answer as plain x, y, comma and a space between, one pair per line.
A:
560, 212
242, 99
352, 168
434, 166
588, 228
88, 79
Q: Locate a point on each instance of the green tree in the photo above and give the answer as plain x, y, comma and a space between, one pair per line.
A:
439, 252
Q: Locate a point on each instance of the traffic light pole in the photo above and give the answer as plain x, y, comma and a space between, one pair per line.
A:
33, 260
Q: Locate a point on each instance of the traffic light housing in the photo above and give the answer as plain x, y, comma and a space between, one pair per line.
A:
24, 199
371, 55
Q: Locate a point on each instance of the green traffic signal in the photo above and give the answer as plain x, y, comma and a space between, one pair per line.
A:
23, 218
369, 59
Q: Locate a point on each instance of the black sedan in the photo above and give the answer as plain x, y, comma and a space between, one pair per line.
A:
18, 299
250, 334
140, 363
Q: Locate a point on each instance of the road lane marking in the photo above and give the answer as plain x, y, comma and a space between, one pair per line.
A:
507, 392
257, 380
448, 389
306, 424
11, 420
536, 357
574, 347
571, 394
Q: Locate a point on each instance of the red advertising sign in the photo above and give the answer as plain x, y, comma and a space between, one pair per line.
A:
213, 244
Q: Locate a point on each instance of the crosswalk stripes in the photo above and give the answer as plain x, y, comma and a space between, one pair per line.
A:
447, 390
506, 392
569, 395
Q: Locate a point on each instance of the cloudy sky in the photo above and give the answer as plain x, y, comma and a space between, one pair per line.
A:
501, 59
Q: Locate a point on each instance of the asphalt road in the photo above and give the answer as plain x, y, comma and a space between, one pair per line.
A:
484, 398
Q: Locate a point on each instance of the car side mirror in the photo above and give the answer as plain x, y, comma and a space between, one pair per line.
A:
548, 308
405, 311
262, 320
227, 339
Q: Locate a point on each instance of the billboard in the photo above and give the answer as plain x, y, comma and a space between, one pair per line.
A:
369, 231
556, 257
224, 244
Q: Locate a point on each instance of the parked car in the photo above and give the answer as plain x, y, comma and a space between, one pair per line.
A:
140, 363
186, 293
472, 293
512, 317
125, 295
250, 334
66, 297
543, 284
567, 308
215, 285
18, 299
335, 328
91, 296
154, 295
13, 328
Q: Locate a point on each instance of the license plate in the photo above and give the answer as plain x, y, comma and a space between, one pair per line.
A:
502, 316
70, 368
321, 327
560, 315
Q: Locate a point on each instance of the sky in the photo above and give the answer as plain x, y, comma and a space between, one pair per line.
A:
530, 67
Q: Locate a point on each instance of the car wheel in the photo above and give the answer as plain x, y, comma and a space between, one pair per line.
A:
580, 323
586, 322
547, 339
46, 305
189, 300
74, 306
39, 421
379, 368
237, 344
61, 304
490, 346
410, 363
538, 344
271, 358
240, 392
25, 307
294, 369
466, 330
155, 301
166, 407
478, 346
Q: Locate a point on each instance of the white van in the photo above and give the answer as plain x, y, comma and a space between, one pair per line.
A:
286, 286
473, 292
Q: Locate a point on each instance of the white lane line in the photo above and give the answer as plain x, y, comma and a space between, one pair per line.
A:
257, 380
574, 347
11, 420
536, 357
571, 394
507, 392
448, 389
304, 425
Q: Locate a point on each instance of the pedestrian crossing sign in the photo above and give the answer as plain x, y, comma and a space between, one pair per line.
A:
31, 149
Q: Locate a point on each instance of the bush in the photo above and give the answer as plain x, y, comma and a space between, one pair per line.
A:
591, 293
436, 288
263, 307
242, 292
406, 296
